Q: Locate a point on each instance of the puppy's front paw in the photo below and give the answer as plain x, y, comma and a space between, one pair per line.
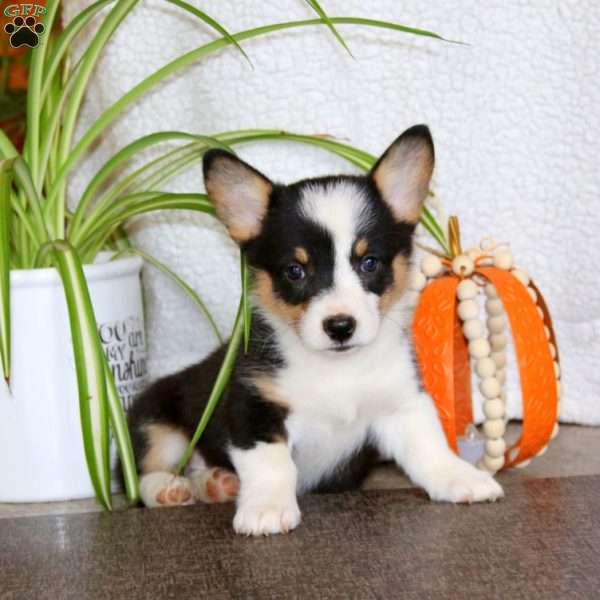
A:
461, 482
266, 518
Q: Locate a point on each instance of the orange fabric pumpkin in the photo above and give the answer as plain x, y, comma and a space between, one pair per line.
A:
443, 355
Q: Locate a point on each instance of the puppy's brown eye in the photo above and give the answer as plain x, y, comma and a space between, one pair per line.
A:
369, 264
295, 272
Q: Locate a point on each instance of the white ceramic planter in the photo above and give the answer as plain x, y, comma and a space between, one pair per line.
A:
41, 448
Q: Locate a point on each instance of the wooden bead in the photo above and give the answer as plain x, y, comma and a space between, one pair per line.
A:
474, 253
540, 313
431, 265
495, 447
556, 370
558, 390
521, 275
554, 431
417, 281
493, 409
532, 293
498, 341
467, 309
490, 388
463, 265
499, 358
467, 289
494, 307
547, 332
496, 324
552, 350
494, 428
542, 451
479, 348
473, 329
523, 464
490, 291
503, 259
493, 463
501, 376
485, 367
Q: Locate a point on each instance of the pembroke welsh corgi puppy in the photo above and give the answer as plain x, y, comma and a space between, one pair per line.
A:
329, 384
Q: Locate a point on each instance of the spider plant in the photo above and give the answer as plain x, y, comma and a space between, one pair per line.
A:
37, 229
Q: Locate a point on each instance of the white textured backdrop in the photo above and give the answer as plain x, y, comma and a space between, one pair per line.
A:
514, 116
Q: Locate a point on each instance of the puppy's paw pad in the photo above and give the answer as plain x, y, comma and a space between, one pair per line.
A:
266, 520
465, 484
216, 485
177, 491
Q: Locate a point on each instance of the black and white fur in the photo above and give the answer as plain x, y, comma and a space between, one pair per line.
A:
329, 384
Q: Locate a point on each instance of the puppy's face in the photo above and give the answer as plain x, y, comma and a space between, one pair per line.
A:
330, 254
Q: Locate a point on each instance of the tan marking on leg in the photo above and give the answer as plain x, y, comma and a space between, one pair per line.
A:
395, 291
361, 247
166, 446
263, 289
301, 255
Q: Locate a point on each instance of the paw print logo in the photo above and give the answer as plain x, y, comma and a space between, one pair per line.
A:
24, 32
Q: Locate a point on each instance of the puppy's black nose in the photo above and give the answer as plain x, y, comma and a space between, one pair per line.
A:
339, 327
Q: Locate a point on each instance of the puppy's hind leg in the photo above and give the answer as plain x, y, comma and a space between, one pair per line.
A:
159, 486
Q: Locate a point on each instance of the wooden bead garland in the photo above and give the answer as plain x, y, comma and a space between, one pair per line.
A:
495, 274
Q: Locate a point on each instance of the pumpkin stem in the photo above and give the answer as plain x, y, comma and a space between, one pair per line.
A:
454, 236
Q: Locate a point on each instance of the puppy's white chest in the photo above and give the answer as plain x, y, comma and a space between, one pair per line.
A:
333, 404
360, 387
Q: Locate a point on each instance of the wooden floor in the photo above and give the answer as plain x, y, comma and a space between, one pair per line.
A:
542, 541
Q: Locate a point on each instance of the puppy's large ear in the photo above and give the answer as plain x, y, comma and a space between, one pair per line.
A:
240, 193
403, 173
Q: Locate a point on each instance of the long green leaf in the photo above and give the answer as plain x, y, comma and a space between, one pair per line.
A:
5, 185
326, 19
65, 40
118, 423
118, 160
246, 306
7, 148
212, 23
25, 181
140, 180
112, 112
88, 61
75, 97
219, 386
89, 365
189, 290
104, 228
34, 107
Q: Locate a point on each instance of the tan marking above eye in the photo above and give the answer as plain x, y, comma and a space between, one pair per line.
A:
301, 255
361, 247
